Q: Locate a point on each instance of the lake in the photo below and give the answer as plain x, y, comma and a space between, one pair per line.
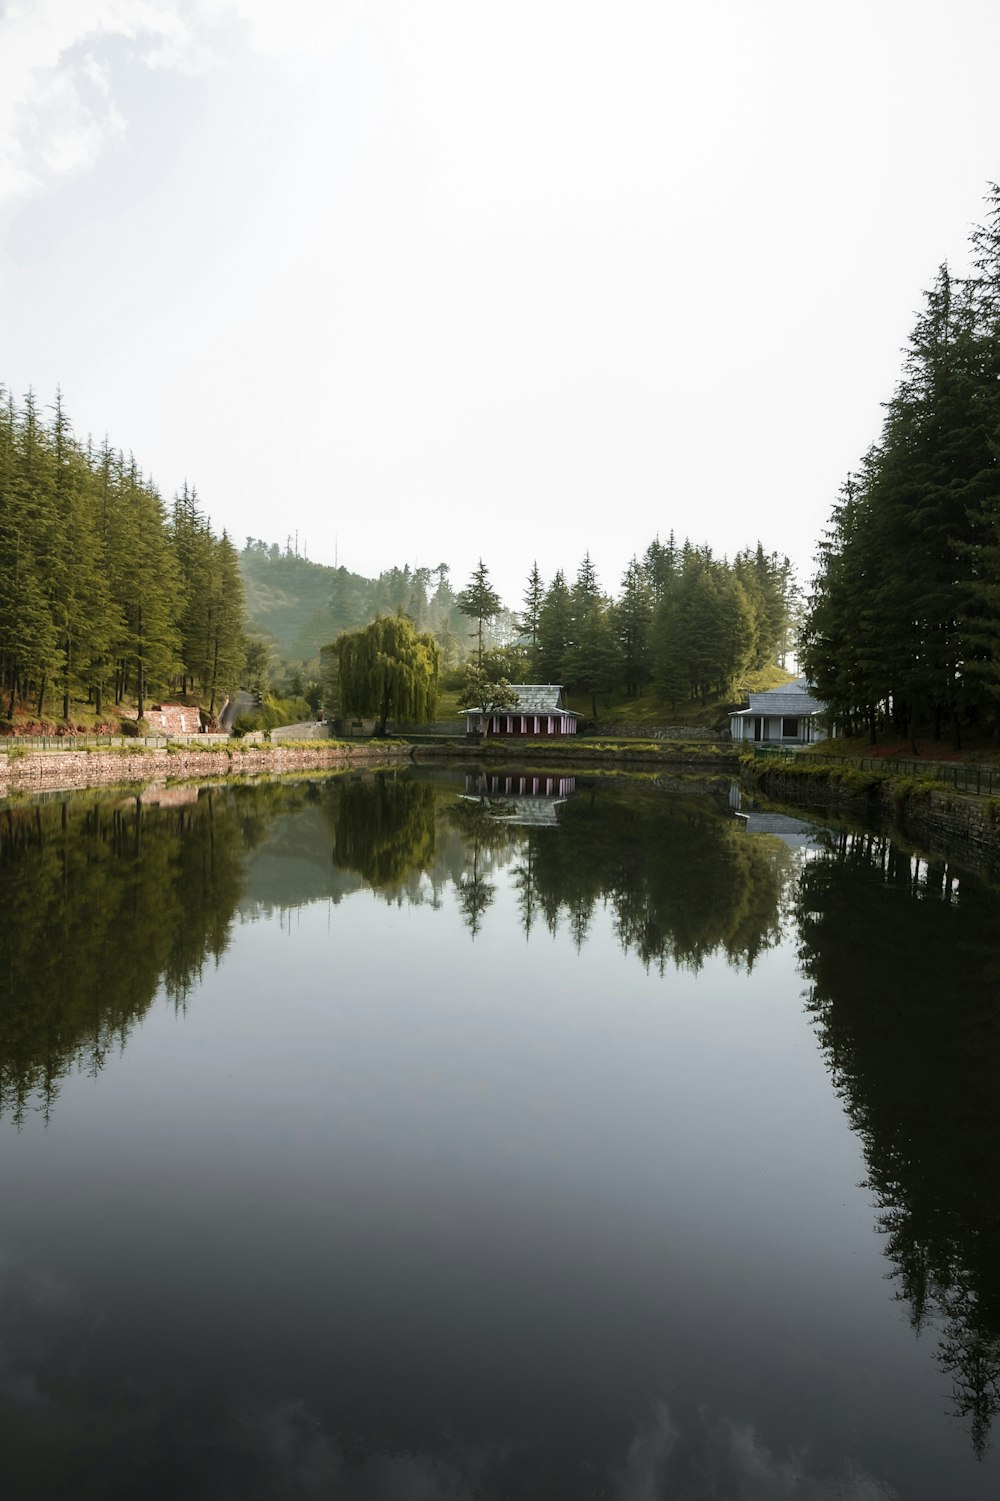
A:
417, 1136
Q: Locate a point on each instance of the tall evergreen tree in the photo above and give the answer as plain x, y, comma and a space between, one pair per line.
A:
534, 594
632, 620
481, 603
591, 661
554, 626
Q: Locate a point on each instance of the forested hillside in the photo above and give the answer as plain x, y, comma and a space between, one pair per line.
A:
903, 630
109, 598
684, 624
301, 605
106, 596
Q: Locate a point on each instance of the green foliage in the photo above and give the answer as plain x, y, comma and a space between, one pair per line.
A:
632, 620
591, 660
159, 889
841, 778
482, 690
903, 628
297, 606
384, 827
706, 635
903, 981
534, 594
731, 626
100, 592
554, 629
480, 602
388, 670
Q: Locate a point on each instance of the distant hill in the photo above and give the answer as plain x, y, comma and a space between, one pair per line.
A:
302, 606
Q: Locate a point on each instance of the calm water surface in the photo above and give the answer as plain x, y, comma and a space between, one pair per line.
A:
398, 1136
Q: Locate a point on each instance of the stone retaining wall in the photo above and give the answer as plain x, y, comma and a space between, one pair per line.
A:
569, 751
62, 770
951, 823
660, 731
307, 729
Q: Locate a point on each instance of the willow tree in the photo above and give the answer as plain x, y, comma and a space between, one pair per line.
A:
388, 670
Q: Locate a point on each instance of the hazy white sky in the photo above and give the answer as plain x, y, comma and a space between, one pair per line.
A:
432, 279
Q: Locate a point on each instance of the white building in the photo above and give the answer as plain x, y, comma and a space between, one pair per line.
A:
788, 715
540, 711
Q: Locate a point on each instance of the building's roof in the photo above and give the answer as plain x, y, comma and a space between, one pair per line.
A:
522, 812
174, 719
791, 831
790, 698
533, 698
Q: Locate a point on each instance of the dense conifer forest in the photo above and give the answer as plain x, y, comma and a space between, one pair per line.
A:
683, 626
902, 634
106, 595
111, 598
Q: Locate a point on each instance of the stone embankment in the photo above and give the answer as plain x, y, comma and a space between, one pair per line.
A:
661, 732
955, 824
63, 770
40, 771
582, 750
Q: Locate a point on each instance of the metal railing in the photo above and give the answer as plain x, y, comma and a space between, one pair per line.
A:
983, 781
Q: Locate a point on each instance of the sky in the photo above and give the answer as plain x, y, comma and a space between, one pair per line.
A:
424, 281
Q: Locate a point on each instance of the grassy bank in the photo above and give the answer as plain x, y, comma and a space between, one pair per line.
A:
572, 752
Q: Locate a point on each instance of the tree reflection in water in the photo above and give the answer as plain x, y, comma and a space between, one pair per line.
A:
903, 961
679, 875
105, 898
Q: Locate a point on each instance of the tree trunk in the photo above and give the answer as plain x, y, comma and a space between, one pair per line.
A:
140, 671
69, 653
215, 673
384, 714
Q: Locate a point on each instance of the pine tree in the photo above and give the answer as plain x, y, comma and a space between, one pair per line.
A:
591, 661
554, 625
632, 619
534, 594
28, 651
481, 603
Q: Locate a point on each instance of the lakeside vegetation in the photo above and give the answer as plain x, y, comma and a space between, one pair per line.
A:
179, 871
110, 597
106, 597
686, 631
902, 633
911, 1039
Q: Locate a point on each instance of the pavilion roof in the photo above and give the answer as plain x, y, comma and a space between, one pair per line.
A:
534, 698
